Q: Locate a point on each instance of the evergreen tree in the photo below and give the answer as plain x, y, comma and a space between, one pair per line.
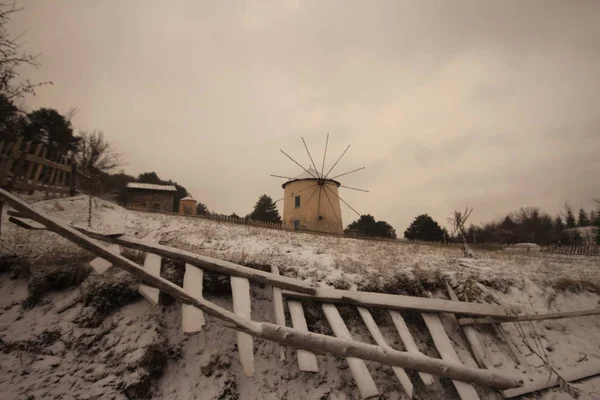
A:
584, 220
596, 223
265, 210
201, 209
367, 226
424, 228
570, 218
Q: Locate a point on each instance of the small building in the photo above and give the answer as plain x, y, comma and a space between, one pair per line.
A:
311, 202
187, 206
151, 196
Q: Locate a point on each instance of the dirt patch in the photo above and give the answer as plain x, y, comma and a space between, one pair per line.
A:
575, 286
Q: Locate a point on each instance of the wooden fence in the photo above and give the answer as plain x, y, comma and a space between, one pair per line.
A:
574, 250
27, 166
305, 344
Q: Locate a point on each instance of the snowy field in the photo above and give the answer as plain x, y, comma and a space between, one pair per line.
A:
529, 283
335, 261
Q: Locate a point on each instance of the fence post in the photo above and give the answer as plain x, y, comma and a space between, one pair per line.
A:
11, 156
73, 177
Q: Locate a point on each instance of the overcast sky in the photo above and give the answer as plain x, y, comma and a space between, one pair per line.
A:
488, 104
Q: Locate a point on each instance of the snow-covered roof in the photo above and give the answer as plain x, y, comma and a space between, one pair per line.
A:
188, 198
307, 175
150, 186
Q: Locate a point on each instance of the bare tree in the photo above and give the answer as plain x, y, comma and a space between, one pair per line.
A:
95, 157
95, 154
458, 221
11, 57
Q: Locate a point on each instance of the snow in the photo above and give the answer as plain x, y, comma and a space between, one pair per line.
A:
150, 186
529, 282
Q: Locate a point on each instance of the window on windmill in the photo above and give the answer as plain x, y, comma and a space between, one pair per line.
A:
297, 201
320, 218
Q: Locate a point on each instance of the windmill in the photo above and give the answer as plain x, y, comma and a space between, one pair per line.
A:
311, 200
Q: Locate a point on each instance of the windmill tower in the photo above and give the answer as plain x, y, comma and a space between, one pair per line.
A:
311, 200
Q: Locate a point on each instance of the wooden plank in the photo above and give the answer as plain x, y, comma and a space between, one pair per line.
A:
240, 289
49, 189
307, 361
12, 154
38, 171
364, 380
398, 302
472, 337
380, 340
100, 264
19, 162
276, 333
152, 264
206, 263
409, 342
192, 318
26, 223
533, 317
48, 163
63, 182
543, 382
36, 152
442, 343
278, 309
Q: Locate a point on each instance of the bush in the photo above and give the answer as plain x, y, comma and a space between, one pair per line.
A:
52, 278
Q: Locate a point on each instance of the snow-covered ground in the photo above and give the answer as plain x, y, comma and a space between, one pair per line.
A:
530, 282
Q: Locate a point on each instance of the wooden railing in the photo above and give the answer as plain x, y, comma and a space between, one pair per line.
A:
28, 166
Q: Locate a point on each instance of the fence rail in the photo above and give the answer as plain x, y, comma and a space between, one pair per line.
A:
29, 166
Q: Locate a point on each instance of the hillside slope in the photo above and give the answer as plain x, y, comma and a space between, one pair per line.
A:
61, 346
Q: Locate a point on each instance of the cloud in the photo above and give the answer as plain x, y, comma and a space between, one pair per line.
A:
448, 104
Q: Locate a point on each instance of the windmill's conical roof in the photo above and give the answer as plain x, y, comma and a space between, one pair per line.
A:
309, 174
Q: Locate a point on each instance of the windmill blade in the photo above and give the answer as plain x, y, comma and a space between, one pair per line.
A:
309, 156
338, 160
325, 191
360, 190
349, 172
336, 195
312, 194
294, 194
324, 154
319, 203
298, 164
284, 177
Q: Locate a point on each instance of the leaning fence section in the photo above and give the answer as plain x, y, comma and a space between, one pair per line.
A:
30, 166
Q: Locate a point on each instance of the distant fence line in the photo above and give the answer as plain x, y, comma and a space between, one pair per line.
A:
574, 250
555, 249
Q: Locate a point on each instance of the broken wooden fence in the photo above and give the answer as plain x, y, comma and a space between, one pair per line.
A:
306, 343
28, 166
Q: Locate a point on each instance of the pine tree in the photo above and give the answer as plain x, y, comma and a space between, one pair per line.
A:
424, 228
570, 218
584, 220
596, 222
265, 210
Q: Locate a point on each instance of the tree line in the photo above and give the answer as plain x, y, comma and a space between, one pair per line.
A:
527, 225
